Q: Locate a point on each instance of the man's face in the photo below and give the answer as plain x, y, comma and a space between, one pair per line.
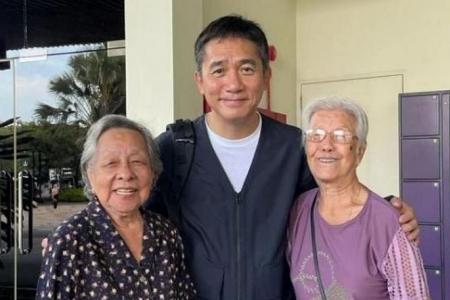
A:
232, 79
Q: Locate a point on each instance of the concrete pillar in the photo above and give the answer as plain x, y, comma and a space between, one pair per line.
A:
159, 38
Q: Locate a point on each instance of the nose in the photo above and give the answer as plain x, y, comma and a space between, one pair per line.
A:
327, 144
234, 81
125, 172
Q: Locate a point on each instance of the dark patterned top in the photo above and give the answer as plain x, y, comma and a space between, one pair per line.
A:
87, 259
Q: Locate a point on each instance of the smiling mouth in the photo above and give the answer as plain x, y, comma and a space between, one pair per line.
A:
125, 191
233, 100
327, 160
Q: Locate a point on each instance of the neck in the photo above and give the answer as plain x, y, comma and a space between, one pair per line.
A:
335, 194
339, 204
131, 229
237, 129
127, 221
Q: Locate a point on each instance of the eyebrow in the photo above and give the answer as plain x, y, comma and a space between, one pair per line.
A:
214, 64
248, 61
241, 62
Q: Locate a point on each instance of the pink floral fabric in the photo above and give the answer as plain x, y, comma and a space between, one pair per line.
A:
403, 270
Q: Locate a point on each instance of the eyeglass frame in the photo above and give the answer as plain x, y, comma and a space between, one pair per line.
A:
346, 134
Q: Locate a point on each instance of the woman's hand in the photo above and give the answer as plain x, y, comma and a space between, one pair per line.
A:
407, 220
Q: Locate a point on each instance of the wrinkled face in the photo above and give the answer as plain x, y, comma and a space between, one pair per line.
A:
119, 172
232, 78
331, 161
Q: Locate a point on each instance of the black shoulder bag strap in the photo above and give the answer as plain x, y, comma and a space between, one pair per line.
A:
314, 249
183, 135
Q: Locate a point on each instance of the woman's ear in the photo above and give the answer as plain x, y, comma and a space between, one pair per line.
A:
360, 150
90, 177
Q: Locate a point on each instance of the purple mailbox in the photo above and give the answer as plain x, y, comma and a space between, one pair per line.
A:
425, 179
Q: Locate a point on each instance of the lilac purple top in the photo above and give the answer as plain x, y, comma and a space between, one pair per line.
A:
368, 257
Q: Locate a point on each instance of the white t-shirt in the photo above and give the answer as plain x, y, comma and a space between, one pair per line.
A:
235, 156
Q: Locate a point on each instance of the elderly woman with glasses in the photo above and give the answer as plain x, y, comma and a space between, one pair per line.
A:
113, 249
344, 240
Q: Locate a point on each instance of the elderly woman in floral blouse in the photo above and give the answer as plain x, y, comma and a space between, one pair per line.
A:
113, 249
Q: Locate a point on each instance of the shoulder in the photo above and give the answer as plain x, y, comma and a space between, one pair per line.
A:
281, 128
64, 244
383, 211
301, 206
199, 121
285, 139
165, 139
59, 265
381, 224
162, 226
304, 201
75, 227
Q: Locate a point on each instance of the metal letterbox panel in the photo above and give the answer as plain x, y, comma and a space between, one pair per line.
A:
420, 159
420, 115
430, 245
425, 198
434, 277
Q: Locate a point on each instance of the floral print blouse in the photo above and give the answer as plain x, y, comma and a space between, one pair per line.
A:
87, 259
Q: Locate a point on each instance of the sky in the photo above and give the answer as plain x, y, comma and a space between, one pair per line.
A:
32, 82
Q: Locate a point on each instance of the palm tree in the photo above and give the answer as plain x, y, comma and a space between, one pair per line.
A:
92, 87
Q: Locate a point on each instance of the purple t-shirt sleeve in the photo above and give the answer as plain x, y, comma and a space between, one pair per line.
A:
403, 269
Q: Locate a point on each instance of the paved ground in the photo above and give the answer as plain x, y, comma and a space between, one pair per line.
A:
46, 218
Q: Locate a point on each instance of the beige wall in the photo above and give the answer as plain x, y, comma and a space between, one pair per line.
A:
188, 22
278, 19
160, 64
345, 46
351, 37
149, 62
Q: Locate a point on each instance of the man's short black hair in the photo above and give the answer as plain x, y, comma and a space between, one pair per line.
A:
232, 26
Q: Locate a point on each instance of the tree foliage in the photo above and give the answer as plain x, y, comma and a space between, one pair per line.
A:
46, 146
93, 86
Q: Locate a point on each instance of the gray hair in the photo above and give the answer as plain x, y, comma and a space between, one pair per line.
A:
110, 122
343, 104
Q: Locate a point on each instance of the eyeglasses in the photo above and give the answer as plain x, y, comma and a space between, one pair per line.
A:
338, 136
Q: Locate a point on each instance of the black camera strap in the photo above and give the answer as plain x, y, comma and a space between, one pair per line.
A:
314, 249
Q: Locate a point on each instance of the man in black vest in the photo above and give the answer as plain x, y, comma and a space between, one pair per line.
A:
245, 173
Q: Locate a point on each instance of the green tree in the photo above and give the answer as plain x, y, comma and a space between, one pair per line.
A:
43, 146
93, 86
59, 144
